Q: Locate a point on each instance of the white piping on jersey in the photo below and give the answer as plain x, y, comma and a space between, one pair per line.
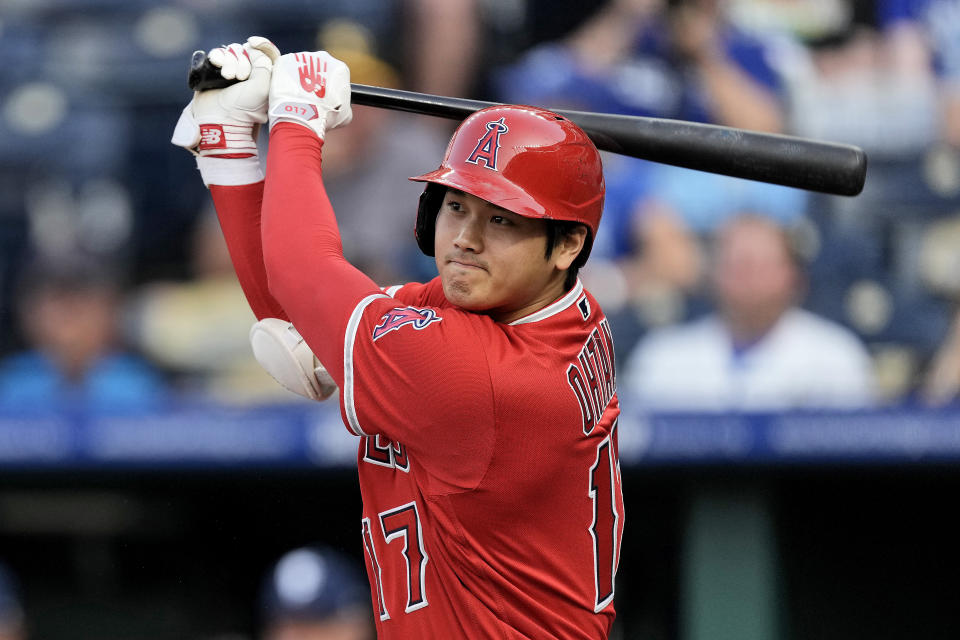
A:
552, 309
392, 291
349, 338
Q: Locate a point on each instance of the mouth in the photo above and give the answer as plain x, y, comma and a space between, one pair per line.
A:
466, 264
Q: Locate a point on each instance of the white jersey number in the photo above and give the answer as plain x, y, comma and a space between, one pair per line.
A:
604, 492
400, 523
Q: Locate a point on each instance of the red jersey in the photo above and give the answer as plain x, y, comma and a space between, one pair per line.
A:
488, 469
488, 460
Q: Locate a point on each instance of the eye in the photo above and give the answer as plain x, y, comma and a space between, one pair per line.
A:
500, 220
453, 205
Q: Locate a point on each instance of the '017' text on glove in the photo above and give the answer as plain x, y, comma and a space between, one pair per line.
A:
311, 88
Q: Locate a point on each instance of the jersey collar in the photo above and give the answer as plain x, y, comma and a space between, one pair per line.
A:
553, 308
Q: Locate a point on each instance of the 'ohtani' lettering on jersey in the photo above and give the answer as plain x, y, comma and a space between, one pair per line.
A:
402, 316
592, 376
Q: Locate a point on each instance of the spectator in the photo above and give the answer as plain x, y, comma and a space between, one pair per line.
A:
443, 45
639, 57
316, 593
869, 79
942, 21
941, 382
197, 329
12, 625
68, 314
678, 59
758, 350
654, 242
366, 164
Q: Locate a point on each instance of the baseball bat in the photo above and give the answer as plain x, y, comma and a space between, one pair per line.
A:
791, 161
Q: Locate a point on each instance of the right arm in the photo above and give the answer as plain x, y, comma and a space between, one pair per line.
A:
220, 128
238, 208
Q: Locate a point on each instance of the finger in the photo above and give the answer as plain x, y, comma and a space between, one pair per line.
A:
264, 46
242, 61
226, 58
221, 57
216, 57
244, 64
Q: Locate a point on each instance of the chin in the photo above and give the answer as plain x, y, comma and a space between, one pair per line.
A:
463, 295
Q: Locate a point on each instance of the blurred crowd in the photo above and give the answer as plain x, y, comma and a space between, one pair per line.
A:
116, 290
117, 293
314, 592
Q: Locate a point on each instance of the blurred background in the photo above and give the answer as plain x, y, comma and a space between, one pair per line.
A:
789, 362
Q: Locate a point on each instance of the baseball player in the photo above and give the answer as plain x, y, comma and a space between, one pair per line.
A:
484, 400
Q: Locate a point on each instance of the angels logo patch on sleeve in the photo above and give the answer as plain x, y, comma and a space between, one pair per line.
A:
402, 316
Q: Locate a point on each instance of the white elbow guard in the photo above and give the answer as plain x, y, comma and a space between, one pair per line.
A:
282, 351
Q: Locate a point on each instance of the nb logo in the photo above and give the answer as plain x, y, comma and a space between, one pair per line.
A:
312, 75
396, 318
211, 137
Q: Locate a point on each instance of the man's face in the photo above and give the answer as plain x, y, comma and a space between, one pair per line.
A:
74, 327
756, 279
493, 261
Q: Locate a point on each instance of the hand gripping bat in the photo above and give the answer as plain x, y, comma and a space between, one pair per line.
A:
791, 161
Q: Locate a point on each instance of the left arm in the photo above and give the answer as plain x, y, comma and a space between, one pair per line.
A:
303, 256
306, 270
418, 387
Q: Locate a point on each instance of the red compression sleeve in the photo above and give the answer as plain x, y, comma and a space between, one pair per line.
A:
238, 209
307, 272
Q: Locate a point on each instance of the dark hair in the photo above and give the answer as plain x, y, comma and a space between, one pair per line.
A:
60, 274
557, 229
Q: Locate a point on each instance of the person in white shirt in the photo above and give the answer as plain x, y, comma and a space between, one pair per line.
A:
758, 351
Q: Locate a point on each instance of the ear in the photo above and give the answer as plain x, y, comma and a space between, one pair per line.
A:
568, 247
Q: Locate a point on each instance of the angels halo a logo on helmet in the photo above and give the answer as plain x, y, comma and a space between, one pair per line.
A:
541, 165
488, 145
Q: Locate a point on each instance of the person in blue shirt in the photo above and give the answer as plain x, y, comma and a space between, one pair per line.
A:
676, 59
68, 312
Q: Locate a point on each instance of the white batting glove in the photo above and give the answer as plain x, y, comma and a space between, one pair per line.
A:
220, 126
311, 88
282, 351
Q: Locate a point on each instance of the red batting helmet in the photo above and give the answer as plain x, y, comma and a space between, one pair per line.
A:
527, 160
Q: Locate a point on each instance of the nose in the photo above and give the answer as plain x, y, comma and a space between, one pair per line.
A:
469, 234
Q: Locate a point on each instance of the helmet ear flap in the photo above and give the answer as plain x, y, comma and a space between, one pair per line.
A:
427, 210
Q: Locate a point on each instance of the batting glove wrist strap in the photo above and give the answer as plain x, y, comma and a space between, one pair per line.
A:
229, 172
311, 89
224, 123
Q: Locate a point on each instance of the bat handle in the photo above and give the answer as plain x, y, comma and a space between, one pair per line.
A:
203, 75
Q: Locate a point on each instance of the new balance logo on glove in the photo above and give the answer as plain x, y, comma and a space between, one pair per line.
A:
211, 137
310, 88
313, 74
